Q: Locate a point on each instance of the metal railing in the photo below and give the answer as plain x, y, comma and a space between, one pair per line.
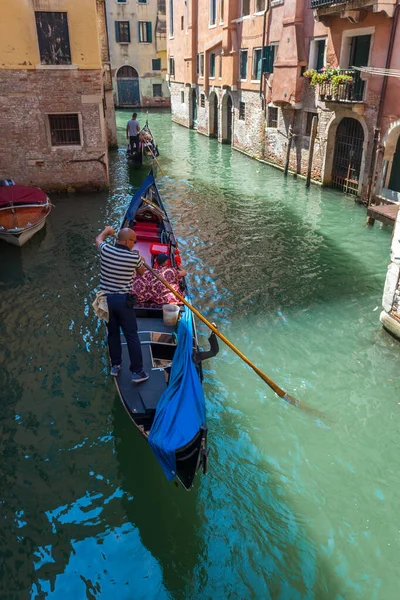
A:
349, 91
322, 3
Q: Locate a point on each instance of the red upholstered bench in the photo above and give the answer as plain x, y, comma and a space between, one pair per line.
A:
150, 236
146, 225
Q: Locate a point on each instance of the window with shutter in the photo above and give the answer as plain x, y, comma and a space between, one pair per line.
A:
257, 60
156, 64
268, 58
145, 32
243, 64
320, 54
122, 32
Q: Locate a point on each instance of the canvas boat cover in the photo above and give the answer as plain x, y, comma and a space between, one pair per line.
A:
21, 194
181, 409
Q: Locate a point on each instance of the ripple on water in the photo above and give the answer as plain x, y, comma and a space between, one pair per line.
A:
294, 506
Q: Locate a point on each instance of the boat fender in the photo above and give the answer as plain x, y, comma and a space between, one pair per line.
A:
198, 356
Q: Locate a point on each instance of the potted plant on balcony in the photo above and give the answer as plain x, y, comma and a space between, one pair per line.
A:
339, 80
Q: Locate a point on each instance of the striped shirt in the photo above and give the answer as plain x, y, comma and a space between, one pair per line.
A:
117, 268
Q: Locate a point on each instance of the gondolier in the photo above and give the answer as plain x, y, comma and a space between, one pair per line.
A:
132, 133
118, 265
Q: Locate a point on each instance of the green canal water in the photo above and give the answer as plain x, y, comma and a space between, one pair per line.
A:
295, 505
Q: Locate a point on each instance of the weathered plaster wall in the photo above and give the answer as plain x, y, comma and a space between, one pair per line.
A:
139, 55
179, 110
18, 37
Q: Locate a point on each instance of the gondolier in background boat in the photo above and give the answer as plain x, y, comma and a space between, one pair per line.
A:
118, 265
132, 133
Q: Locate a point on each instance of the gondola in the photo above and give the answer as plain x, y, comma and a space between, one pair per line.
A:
147, 151
23, 212
169, 408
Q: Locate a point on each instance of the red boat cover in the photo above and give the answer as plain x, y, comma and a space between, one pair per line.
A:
21, 194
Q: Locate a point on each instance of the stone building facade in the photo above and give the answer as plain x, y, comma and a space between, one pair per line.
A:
138, 51
56, 117
236, 72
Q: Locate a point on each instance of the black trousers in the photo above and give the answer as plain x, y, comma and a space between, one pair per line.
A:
134, 143
121, 315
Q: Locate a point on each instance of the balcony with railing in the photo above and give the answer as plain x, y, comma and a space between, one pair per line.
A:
350, 90
331, 7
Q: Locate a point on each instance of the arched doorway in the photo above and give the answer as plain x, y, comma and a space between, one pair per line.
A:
347, 156
194, 109
213, 114
227, 119
128, 86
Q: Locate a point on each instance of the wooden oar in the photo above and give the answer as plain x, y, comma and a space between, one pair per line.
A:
281, 393
148, 148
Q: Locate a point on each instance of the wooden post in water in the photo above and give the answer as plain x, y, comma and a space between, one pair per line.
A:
289, 146
314, 125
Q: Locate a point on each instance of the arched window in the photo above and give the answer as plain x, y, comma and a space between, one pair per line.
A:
127, 72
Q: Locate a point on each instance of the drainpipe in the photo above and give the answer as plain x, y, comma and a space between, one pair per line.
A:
375, 148
263, 44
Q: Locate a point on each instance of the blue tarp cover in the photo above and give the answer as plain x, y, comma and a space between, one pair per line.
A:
181, 410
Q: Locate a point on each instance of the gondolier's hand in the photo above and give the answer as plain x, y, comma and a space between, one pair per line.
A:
102, 236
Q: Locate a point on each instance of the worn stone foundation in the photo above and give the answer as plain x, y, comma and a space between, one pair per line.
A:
252, 133
26, 151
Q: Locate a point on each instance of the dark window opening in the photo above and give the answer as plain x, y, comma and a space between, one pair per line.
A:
243, 64
156, 64
242, 111
320, 54
64, 130
245, 8
53, 38
201, 65
213, 12
212, 64
182, 97
272, 116
202, 100
157, 90
309, 120
122, 32
172, 66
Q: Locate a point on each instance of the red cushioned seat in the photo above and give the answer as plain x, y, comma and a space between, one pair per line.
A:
151, 236
145, 225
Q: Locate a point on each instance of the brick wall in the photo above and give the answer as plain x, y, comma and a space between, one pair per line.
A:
26, 154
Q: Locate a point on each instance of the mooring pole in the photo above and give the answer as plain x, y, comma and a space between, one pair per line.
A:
314, 125
289, 145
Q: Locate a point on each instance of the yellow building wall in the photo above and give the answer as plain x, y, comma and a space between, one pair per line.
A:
19, 48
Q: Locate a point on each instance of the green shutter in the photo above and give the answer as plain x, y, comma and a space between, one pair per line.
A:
268, 59
139, 36
320, 54
129, 31
117, 31
149, 32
